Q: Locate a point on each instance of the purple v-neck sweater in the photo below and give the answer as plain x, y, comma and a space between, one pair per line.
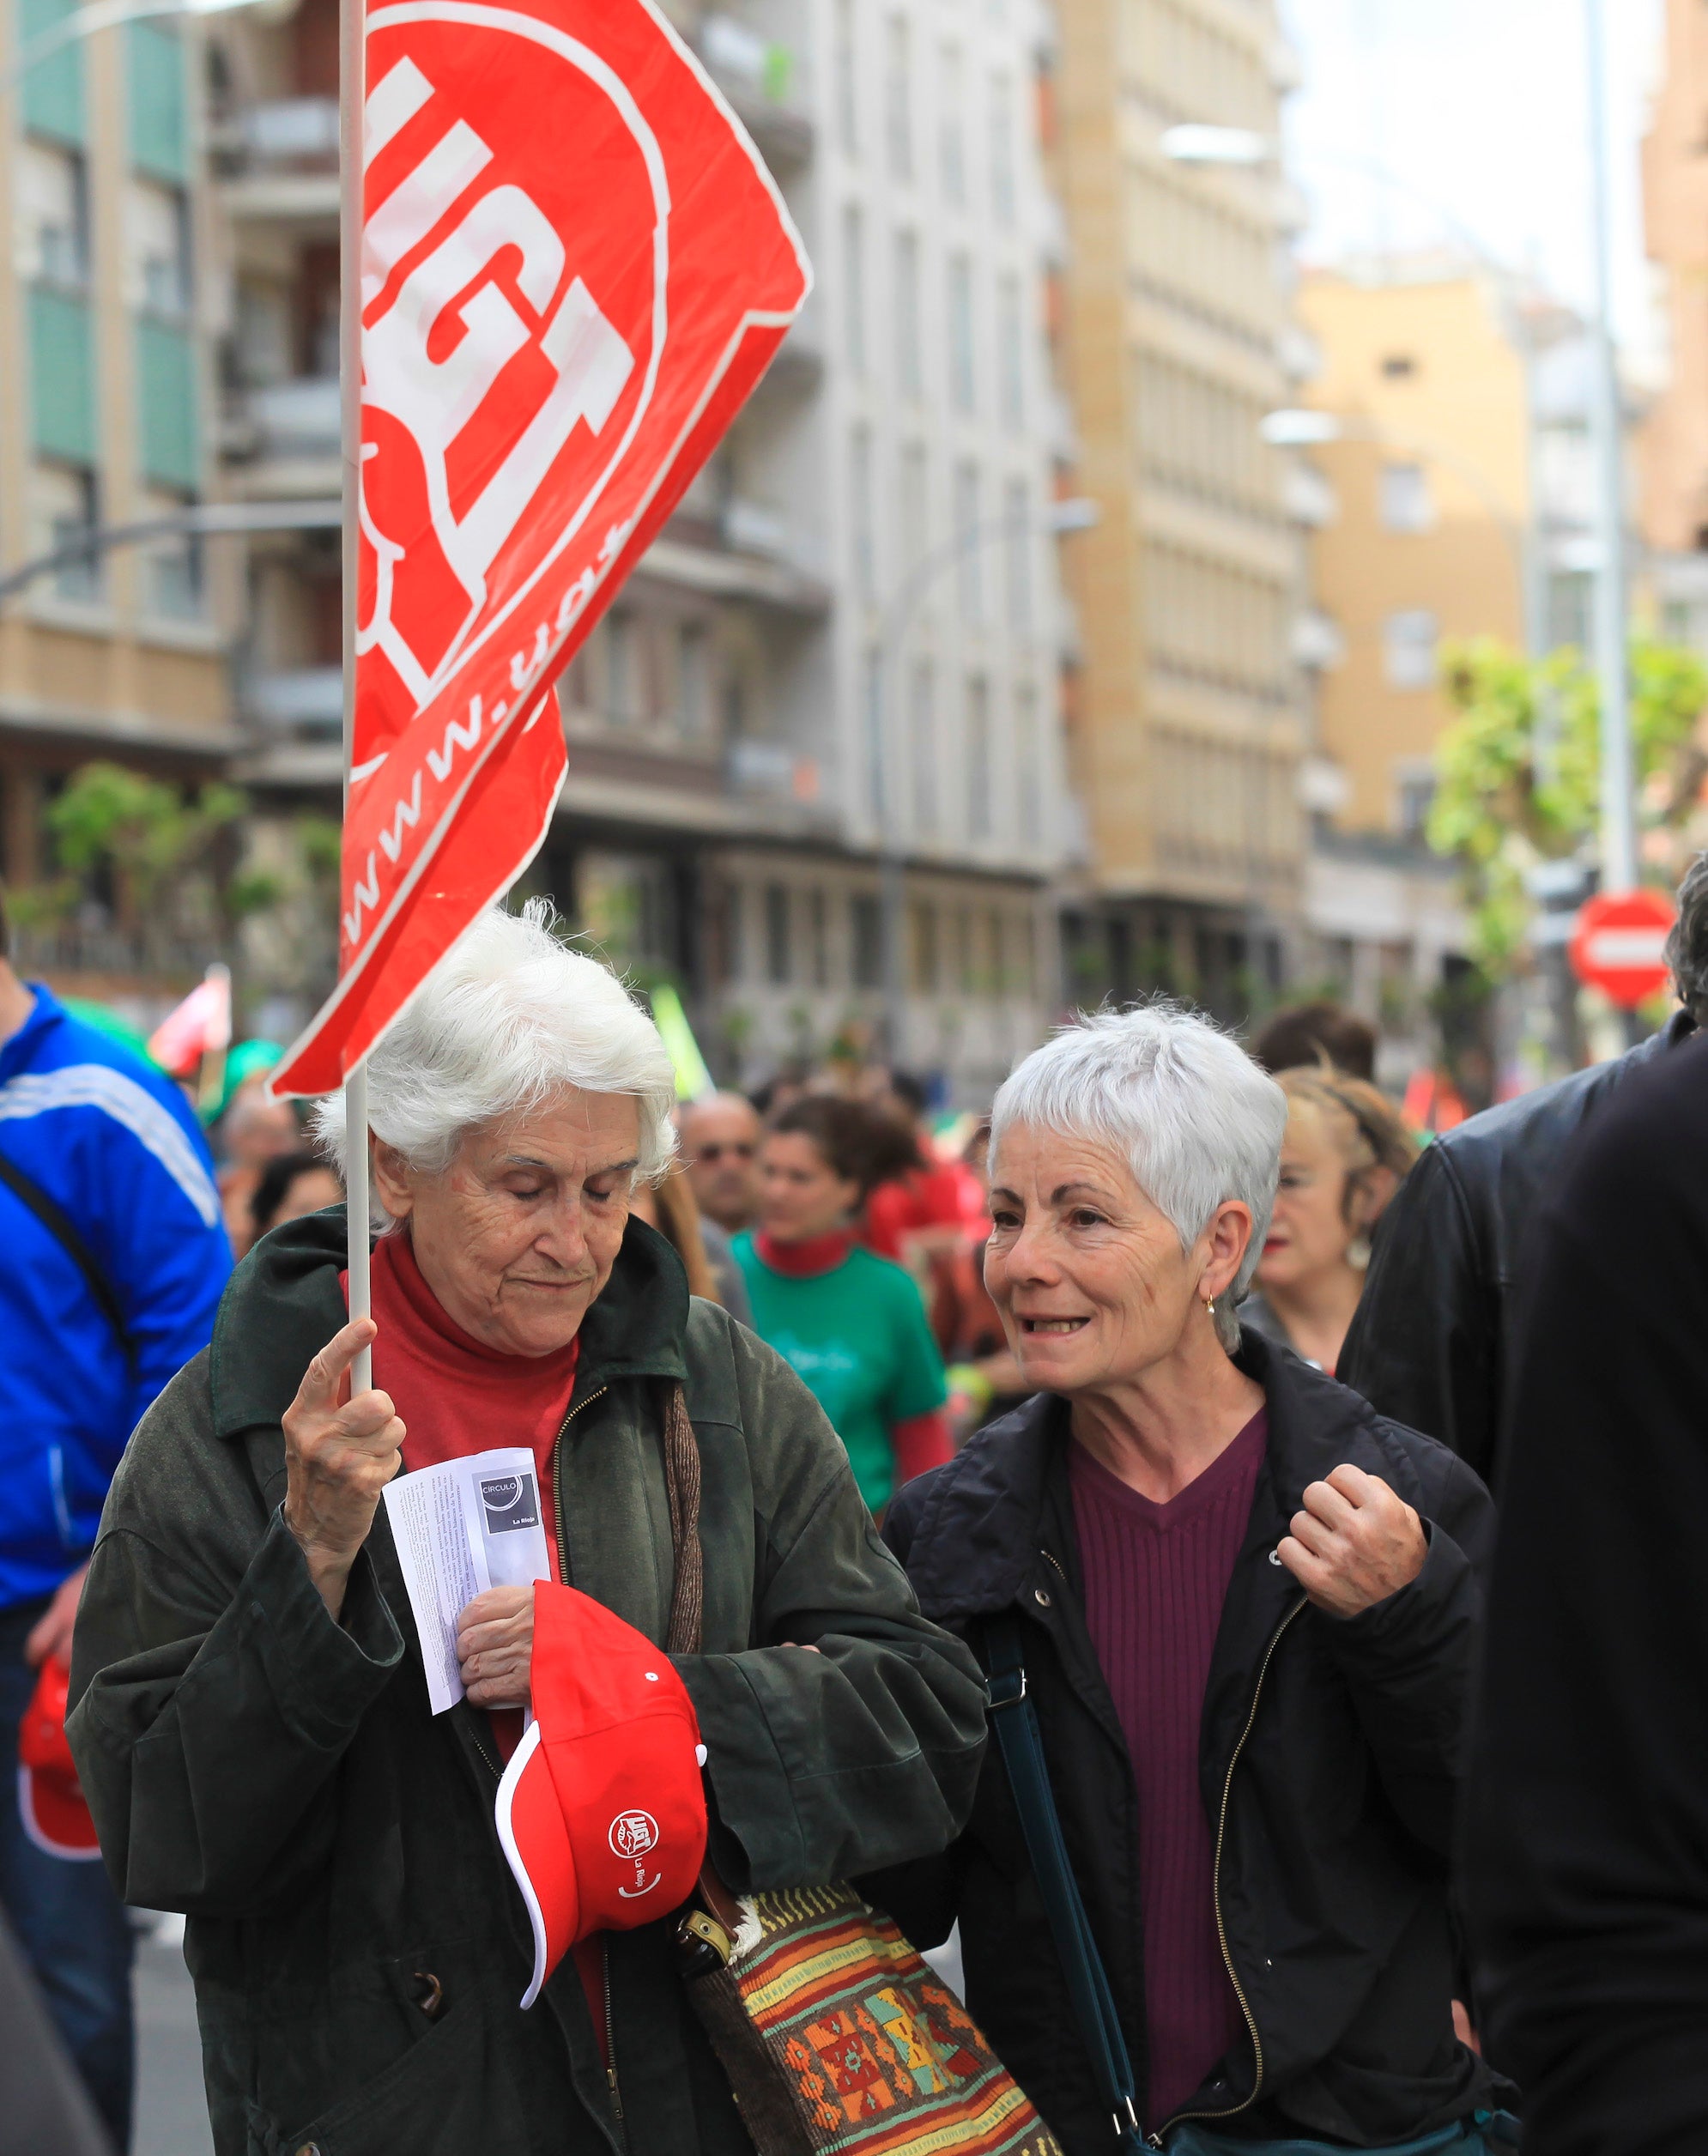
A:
1155, 1579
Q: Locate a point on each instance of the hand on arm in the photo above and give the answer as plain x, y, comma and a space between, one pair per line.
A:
1354, 1543
340, 1453
50, 1638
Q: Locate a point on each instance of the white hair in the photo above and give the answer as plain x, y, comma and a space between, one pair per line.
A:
506, 1019
1180, 1100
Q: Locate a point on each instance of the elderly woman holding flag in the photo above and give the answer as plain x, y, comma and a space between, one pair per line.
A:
253, 1724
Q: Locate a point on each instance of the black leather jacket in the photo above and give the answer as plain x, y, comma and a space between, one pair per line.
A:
1431, 1344
1331, 1756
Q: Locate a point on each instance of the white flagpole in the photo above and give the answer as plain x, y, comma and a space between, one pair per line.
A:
352, 26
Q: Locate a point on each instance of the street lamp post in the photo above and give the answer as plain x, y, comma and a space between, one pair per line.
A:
1618, 818
104, 14
207, 520
1078, 514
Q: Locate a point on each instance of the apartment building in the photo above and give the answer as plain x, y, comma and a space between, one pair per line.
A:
1187, 720
753, 730
106, 351
1673, 449
1459, 503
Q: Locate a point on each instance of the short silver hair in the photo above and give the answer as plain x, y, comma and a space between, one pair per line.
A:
1180, 1100
504, 1021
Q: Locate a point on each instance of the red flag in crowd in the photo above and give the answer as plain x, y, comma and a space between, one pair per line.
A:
574, 268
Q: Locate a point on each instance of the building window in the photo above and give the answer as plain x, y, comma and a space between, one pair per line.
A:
979, 773
846, 62
160, 115
173, 566
1402, 498
866, 919
52, 195
694, 681
777, 957
818, 938
971, 556
860, 511
914, 503
962, 382
157, 221
1017, 554
909, 371
1010, 353
735, 931
1028, 777
953, 105
922, 738
965, 971
1409, 643
996, 930
898, 96
854, 287
1003, 191
68, 510
923, 923
620, 700
1414, 796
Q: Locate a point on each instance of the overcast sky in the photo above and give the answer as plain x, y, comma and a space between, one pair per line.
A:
1479, 107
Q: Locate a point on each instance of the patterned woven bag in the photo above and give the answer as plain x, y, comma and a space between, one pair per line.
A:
837, 2038
839, 2041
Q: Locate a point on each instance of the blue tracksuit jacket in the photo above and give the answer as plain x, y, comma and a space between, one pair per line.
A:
116, 1147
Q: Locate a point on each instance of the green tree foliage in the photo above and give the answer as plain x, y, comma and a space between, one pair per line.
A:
148, 833
1518, 773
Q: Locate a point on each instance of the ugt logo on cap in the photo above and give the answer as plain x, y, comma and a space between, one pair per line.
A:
631, 1835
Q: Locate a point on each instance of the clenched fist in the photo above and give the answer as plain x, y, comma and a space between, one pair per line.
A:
1355, 1544
340, 1453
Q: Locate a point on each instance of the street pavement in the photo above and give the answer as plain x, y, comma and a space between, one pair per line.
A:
171, 2112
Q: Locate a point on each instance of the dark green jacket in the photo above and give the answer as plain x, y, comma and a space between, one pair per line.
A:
278, 1777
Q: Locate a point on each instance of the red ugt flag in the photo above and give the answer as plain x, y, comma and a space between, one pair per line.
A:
574, 268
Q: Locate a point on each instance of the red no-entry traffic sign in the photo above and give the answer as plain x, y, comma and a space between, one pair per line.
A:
1619, 946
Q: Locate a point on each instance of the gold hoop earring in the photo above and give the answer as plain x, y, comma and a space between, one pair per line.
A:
1210, 1305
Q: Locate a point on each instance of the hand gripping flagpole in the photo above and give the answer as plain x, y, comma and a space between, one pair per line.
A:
352, 40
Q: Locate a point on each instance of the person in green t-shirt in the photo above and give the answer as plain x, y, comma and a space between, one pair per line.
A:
850, 1324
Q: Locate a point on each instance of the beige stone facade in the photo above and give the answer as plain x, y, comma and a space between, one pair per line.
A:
1432, 502
1186, 724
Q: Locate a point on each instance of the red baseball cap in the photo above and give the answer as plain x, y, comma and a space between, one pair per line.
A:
601, 1811
55, 1816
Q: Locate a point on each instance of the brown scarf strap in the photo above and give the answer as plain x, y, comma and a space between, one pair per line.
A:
681, 1481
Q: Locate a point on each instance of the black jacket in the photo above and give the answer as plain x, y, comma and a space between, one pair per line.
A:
1330, 1757
1586, 1877
1431, 1344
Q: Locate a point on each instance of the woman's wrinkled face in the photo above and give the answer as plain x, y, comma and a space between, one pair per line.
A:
1088, 1274
518, 1235
1309, 1230
800, 1195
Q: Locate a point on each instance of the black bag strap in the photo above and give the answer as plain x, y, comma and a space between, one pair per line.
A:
1015, 1721
29, 1192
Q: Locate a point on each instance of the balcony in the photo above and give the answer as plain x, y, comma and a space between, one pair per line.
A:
280, 158
1307, 497
755, 75
285, 438
301, 701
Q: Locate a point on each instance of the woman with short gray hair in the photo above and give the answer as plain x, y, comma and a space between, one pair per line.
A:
253, 1731
1243, 1610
